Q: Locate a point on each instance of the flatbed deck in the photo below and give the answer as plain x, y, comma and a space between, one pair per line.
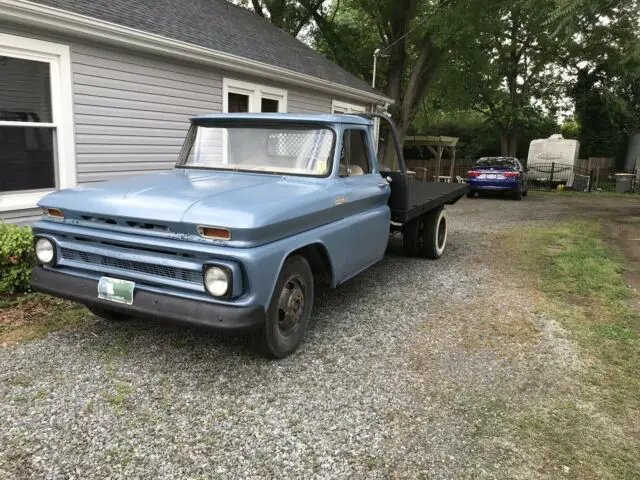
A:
423, 197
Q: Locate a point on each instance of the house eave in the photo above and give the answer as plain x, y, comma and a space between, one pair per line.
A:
28, 13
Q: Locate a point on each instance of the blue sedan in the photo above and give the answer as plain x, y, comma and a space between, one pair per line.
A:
498, 174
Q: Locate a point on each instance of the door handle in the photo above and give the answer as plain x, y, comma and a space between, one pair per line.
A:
383, 185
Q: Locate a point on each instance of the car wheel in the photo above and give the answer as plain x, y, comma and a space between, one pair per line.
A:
517, 195
427, 235
290, 308
107, 314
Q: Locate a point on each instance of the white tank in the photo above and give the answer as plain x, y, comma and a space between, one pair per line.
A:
554, 152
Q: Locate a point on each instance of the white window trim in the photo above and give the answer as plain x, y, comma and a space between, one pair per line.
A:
59, 58
347, 107
255, 92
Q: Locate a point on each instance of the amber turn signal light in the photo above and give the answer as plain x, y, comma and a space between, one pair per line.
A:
215, 233
55, 213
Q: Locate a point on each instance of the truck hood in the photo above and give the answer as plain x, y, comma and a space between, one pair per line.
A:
182, 199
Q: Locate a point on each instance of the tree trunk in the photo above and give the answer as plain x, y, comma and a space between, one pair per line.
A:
508, 144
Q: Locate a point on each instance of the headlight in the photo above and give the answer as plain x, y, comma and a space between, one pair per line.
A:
54, 213
45, 250
217, 281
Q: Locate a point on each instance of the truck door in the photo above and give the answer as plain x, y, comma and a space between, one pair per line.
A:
366, 195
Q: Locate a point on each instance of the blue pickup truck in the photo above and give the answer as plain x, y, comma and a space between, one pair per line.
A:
258, 210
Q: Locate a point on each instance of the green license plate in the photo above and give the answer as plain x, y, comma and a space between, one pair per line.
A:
116, 290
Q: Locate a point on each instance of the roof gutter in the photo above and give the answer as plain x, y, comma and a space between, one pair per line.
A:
37, 15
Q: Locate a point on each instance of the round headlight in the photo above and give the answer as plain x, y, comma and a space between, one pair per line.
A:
44, 250
216, 281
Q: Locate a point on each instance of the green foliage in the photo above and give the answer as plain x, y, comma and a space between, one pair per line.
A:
518, 65
478, 137
570, 128
16, 258
292, 16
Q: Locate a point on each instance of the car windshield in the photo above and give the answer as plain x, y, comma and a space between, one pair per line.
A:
282, 149
495, 163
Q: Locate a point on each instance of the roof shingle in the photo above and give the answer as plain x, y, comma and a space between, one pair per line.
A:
217, 25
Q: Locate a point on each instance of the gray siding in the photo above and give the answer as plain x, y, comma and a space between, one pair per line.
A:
21, 217
307, 101
131, 113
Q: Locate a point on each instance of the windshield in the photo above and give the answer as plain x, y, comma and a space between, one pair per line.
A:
281, 150
497, 162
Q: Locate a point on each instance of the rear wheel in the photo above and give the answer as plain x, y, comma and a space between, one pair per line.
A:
289, 312
517, 195
107, 314
427, 235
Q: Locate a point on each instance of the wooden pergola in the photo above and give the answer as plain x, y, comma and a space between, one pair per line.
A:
437, 146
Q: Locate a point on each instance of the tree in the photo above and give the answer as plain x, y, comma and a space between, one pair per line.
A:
603, 60
289, 15
507, 71
409, 34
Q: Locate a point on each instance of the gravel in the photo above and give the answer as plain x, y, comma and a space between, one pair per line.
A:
415, 369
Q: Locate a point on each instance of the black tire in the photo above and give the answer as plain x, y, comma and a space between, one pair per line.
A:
290, 308
426, 235
108, 314
517, 195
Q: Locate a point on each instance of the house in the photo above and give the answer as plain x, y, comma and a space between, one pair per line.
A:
92, 90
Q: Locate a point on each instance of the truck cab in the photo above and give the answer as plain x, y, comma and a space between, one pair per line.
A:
258, 209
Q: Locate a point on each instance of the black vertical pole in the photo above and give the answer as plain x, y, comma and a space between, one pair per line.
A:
553, 167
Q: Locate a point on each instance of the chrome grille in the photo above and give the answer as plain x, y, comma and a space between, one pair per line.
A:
139, 267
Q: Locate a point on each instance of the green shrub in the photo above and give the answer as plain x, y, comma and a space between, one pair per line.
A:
16, 258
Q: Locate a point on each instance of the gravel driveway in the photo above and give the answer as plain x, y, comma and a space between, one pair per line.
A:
413, 369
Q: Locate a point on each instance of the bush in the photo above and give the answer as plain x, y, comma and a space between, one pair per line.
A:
16, 258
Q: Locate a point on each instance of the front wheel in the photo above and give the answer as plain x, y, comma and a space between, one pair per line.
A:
290, 308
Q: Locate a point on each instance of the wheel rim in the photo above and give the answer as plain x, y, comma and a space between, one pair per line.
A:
291, 305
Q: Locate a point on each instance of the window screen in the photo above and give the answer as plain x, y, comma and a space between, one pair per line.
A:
26, 144
237, 103
269, 105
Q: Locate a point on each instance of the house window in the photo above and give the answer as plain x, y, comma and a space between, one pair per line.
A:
36, 130
241, 96
343, 107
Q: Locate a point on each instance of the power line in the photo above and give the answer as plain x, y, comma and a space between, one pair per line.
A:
402, 37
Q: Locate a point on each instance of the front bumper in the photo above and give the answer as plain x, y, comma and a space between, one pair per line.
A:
150, 305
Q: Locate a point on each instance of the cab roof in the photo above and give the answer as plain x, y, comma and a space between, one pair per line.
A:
285, 117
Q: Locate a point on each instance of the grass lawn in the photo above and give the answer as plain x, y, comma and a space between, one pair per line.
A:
31, 316
580, 279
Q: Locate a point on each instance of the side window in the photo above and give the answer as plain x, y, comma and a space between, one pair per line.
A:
355, 159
